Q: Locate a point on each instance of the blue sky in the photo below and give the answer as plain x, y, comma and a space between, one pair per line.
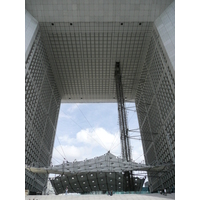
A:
88, 130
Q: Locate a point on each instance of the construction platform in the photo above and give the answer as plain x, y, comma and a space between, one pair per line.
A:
104, 197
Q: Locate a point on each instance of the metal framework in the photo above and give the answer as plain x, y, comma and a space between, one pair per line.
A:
103, 173
125, 145
124, 132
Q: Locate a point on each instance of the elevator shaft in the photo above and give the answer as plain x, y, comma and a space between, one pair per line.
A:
125, 144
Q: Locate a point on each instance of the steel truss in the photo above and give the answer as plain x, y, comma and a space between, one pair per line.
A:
124, 134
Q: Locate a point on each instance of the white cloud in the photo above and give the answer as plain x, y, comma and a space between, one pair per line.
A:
73, 107
84, 136
63, 115
71, 153
88, 143
98, 137
67, 140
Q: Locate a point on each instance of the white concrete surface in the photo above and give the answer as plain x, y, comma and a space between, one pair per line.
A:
104, 197
165, 25
31, 27
96, 10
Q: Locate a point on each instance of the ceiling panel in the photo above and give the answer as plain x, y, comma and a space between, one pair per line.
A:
96, 10
83, 57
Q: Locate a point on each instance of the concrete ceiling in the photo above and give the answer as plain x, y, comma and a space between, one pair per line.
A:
96, 10
83, 57
84, 39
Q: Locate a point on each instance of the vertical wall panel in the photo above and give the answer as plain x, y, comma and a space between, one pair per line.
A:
42, 103
31, 27
165, 25
155, 103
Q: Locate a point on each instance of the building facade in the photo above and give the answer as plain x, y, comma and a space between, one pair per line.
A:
155, 103
70, 54
42, 103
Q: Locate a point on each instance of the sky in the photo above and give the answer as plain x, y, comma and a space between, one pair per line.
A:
88, 130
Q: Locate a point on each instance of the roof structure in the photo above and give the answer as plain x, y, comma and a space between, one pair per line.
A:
102, 173
105, 163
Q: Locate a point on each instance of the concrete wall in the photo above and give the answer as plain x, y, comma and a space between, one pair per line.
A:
165, 25
155, 103
42, 103
31, 28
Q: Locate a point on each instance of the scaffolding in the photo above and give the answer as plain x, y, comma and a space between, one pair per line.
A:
124, 134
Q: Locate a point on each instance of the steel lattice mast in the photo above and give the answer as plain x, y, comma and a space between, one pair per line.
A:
125, 144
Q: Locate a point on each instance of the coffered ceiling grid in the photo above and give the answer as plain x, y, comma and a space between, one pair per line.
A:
96, 10
84, 56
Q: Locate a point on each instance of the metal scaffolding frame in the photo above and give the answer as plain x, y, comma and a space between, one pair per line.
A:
124, 136
124, 132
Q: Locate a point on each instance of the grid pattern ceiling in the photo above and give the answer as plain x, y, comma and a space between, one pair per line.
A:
96, 10
83, 57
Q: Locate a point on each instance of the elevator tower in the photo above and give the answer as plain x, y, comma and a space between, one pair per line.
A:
125, 144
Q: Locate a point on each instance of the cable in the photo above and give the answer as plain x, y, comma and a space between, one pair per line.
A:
58, 152
61, 147
59, 159
74, 122
134, 130
113, 142
132, 137
56, 160
96, 141
116, 153
91, 127
130, 118
87, 133
135, 136
139, 157
115, 146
